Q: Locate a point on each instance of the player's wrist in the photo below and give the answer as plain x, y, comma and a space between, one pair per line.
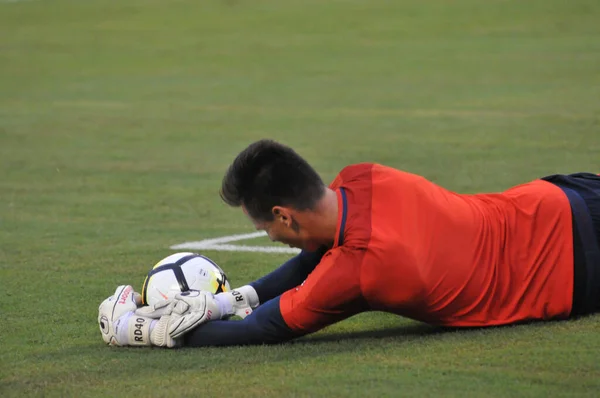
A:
239, 302
250, 295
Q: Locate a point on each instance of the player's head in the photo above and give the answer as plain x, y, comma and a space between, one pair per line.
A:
273, 184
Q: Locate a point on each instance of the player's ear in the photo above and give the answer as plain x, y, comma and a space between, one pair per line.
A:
282, 214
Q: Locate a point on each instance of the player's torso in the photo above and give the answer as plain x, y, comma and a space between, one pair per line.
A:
462, 260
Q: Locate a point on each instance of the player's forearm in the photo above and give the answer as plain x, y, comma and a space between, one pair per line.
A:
289, 275
263, 326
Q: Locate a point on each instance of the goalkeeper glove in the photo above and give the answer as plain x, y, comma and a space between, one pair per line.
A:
120, 326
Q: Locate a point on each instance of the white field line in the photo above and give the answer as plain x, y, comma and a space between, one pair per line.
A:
221, 244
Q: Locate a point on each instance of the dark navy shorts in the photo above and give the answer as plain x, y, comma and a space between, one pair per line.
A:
583, 191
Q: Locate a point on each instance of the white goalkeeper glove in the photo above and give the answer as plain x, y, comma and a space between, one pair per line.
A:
120, 326
193, 308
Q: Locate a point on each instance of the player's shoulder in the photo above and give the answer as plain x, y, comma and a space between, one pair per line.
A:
371, 172
353, 172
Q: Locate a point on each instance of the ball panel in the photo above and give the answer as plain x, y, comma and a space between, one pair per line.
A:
161, 285
172, 259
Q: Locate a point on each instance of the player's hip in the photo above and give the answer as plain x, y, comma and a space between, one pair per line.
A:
583, 192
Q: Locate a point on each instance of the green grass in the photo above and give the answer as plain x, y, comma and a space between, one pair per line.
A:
118, 119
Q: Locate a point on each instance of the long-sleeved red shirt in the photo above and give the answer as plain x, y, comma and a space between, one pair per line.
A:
408, 246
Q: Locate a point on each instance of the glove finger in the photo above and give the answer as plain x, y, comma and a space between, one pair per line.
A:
157, 310
178, 328
181, 326
181, 307
163, 303
137, 298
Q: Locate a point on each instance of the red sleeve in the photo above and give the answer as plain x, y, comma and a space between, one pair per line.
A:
330, 294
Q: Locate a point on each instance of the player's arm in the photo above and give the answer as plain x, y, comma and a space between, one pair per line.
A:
331, 293
264, 326
243, 300
289, 275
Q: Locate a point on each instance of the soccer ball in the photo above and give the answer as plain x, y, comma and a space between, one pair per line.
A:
181, 272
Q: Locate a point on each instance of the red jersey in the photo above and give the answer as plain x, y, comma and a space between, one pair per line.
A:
408, 246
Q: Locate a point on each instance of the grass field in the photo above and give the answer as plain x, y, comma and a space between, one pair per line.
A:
118, 119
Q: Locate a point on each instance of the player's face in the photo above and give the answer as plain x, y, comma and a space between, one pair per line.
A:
279, 232
284, 229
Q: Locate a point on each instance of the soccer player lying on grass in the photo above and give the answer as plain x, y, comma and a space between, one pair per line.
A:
380, 239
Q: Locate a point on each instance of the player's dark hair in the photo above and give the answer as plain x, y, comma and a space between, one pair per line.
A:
268, 174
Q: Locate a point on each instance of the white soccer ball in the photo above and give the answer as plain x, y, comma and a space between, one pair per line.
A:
180, 272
